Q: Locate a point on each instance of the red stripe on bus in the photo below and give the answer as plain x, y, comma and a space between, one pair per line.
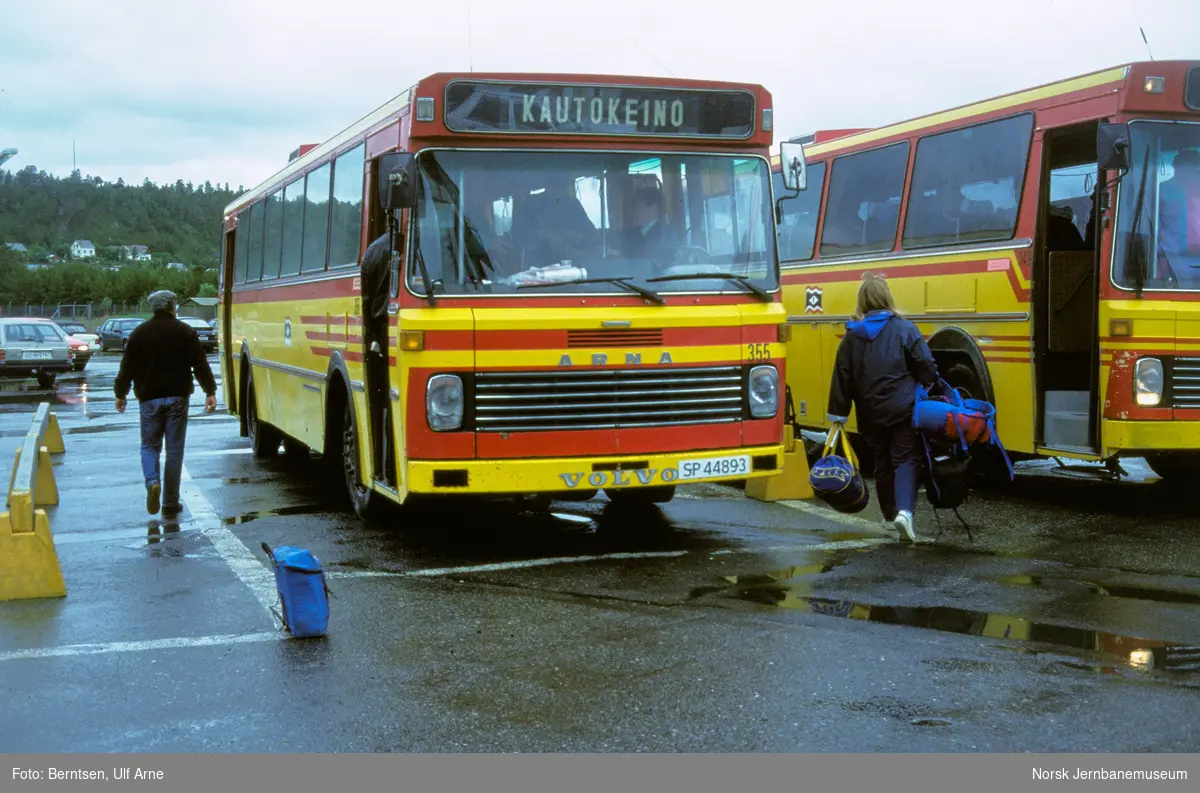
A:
314, 290
1150, 339
970, 267
348, 355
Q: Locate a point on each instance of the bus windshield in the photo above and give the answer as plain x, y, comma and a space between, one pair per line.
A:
1158, 227
508, 221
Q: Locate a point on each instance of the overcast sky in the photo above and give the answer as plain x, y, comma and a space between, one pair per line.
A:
223, 90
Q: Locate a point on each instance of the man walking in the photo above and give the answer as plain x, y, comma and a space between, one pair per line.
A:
161, 355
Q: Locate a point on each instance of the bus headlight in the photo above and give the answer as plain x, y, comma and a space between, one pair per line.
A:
1148, 382
444, 402
764, 392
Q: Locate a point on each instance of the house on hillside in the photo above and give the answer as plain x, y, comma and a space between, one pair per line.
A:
82, 249
135, 253
176, 266
18, 249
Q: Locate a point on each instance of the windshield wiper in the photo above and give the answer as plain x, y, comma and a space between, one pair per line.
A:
424, 274
1141, 264
738, 279
620, 280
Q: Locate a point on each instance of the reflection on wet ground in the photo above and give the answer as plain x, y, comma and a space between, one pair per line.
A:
779, 589
298, 509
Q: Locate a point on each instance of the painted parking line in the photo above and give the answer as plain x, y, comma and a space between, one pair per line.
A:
245, 565
604, 557
134, 647
220, 452
519, 564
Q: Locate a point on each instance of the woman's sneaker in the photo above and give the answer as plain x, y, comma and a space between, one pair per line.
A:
904, 525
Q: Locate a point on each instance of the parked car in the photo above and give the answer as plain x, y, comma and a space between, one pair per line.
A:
81, 351
83, 342
115, 332
31, 347
207, 334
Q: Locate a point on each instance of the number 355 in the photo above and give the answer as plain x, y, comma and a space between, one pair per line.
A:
758, 352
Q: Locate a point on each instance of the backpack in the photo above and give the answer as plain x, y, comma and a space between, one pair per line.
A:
949, 425
303, 592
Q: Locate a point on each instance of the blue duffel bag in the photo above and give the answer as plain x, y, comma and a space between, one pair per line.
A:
303, 592
836, 479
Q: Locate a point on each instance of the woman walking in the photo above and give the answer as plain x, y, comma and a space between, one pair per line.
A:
880, 361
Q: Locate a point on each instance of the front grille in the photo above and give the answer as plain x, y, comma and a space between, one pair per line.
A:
525, 401
1185, 383
650, 337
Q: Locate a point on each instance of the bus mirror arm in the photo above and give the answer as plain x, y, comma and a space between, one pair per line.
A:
1112, 146
397, 181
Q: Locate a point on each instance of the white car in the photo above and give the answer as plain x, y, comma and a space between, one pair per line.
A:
79, 331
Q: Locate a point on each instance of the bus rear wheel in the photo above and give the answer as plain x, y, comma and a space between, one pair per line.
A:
264, 439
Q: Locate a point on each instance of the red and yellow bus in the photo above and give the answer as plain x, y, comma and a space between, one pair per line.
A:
584, 293
1045, 244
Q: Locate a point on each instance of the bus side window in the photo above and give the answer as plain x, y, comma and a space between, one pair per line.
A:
864, 195
967, 183
798, 231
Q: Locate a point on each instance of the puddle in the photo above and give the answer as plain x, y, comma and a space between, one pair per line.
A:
1129, 592
300, 509
778, 590
112, 535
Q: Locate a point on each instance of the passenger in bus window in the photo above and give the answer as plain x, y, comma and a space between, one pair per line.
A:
879, 363
1179, 219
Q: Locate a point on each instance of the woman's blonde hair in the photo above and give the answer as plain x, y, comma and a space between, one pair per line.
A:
873, 295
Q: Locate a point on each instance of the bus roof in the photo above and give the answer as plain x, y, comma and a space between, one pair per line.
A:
1111, 78
434, 87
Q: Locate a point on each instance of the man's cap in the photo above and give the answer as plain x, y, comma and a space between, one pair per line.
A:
162, 300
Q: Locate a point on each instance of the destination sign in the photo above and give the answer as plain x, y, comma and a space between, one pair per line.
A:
527, 108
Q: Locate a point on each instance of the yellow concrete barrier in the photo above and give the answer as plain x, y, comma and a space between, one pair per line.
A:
790, 485
29, 566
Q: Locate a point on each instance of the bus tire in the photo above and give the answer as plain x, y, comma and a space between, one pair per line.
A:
641, 496
294, 449
987, 466
1175, 468
363, 500
264, 439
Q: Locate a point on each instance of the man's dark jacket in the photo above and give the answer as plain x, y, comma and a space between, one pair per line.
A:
879, 363
159, 359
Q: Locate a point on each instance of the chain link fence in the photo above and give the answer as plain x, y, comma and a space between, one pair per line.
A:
98, 310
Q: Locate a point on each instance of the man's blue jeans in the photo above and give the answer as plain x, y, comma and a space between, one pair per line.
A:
164, 419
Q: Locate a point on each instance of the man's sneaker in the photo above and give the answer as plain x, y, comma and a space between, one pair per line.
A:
152, 498
904, 525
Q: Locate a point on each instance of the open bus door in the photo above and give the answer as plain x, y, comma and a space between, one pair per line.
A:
380, 291
224, 321
1066, 292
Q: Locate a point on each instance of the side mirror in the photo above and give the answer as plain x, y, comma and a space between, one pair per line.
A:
792, 166
397, 181
1112, 146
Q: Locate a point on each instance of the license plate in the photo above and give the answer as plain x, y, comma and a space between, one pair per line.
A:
37, 356
710, 467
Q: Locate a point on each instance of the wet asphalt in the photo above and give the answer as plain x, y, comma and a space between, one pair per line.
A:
1067, 619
